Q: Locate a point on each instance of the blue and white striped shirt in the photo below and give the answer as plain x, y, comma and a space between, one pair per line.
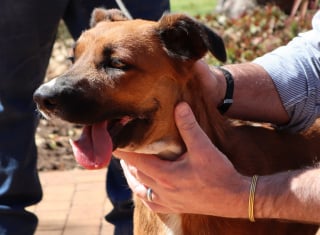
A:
295, 71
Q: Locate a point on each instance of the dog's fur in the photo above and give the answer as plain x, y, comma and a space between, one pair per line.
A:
142, 69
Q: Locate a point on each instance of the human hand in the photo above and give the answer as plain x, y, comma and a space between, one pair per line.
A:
201, 181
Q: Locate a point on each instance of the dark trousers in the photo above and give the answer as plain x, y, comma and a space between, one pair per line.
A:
27, 32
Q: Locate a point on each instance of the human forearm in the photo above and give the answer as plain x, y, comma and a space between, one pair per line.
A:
289, 195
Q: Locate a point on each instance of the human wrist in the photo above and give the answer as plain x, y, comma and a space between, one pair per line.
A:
220, 85
238, 197
228, 97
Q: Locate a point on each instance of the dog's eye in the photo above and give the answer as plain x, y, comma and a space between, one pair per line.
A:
117, 64
114, 63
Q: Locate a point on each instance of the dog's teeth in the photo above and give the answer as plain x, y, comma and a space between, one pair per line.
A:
125, 120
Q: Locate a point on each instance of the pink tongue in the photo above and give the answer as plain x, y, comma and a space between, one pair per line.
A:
94, 148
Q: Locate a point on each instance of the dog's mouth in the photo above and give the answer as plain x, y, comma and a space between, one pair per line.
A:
115, 126
93, 150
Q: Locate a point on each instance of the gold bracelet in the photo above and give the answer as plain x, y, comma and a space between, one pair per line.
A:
251, 197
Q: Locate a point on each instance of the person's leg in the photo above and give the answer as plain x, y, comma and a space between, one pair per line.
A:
27, 32
77, 15
120, 196
144, 9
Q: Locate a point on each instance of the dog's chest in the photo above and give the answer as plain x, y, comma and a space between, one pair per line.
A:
171, 224
147, 222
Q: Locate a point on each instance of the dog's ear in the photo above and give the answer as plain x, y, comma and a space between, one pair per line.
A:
101, 14
186, 38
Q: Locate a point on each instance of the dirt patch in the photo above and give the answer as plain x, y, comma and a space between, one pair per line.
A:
54, 150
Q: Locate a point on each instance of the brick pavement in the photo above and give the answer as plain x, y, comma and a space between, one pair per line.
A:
74, 203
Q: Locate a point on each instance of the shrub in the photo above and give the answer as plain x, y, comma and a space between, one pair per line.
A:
256, 32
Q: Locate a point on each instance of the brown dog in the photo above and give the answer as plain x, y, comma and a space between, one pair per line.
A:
125, 82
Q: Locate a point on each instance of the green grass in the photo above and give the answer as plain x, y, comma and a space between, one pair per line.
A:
193, 7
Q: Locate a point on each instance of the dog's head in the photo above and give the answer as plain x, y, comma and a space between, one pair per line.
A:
126, 79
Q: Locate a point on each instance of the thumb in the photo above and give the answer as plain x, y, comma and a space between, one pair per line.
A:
190, 131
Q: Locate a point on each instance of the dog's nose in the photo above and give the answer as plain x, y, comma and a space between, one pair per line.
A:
45, 99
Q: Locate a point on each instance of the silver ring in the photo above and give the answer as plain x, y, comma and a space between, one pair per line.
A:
149, 194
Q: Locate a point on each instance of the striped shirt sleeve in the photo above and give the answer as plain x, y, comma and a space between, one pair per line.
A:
295, 71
